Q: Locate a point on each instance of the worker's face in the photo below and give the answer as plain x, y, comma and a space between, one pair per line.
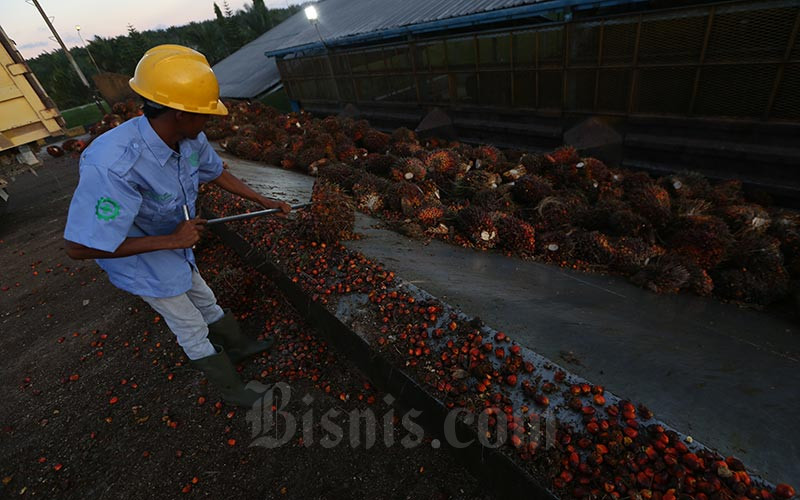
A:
191, 124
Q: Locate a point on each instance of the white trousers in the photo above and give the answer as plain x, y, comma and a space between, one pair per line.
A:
188, 316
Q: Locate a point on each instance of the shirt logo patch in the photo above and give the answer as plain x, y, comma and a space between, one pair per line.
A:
160, 198
106, 209
194, 159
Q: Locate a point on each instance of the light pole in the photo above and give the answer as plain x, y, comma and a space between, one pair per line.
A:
69, 56
78, 29
313, 18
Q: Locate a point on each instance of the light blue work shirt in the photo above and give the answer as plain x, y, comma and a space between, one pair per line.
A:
132, 184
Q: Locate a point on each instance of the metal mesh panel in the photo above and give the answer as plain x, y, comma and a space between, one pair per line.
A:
461, 53
398, 59
584, 44
495, 88
673, 40
580, 90
495, 52
465, 88
752, 35
550, 89
787, 100
734, 90
401, 89
434, 88
432, 56
525, 89
619, 42
346, 90
524, 49
664, 90
613, 90
551, 47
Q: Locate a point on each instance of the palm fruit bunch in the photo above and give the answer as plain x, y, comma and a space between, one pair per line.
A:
786, 228
404, 197
429, 214
650, 201
534, 163
272, 155
594, 247
340, 174
404, 134
515, 235
369, 192
530, 190
476, 224
556, 246
614, 217
358, 130
474, 181
379, 164
443, 166
331, 124
407, 149
308, 156
331, 216
565, 155
726, 193
376, 141
409, 169
488, 156
745, 219
495, 200
631, 254
664, 275
555, 212
753, 271
702, 238
346, 151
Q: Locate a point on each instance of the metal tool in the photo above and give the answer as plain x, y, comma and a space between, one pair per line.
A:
250, 215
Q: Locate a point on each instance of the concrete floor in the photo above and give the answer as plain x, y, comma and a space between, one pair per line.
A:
727, 376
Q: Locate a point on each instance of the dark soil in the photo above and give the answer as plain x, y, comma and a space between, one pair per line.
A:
99, 401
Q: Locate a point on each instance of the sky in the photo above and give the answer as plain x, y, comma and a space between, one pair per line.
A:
107, 18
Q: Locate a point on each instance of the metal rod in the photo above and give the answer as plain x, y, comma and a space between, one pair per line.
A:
251, 215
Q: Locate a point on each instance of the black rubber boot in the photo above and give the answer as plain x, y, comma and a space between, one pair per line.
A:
220, 372
226, 332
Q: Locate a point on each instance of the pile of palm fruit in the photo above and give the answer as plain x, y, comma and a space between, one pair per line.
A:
671, 234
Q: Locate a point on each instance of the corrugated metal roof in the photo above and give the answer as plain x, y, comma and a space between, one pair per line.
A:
247, 72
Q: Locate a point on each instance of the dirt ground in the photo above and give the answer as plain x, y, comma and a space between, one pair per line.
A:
99, 401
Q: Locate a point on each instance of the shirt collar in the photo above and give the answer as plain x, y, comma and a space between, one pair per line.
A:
157, 146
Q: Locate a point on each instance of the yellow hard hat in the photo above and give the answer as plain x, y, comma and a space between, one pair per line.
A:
180, 78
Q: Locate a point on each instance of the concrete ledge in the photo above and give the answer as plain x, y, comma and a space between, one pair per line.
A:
498, 471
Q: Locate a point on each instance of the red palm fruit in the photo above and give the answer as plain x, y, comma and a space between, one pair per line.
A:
55, 151
783, 490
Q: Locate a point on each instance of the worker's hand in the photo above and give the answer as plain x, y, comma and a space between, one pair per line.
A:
265, 202
188, 233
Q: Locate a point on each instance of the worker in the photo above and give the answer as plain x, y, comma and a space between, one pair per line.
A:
134, 210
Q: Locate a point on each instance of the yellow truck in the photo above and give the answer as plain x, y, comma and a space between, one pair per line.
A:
27, 115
